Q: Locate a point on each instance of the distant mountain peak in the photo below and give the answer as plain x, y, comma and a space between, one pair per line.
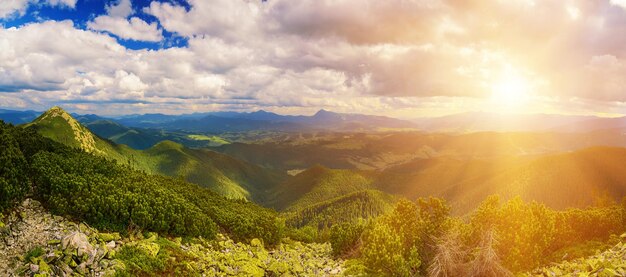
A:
326, 114
323, 111
53, 120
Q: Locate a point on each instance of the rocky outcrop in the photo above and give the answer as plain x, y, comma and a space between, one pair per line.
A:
33, 242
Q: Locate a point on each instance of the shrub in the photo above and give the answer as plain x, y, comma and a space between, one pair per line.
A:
13, 170
345, 237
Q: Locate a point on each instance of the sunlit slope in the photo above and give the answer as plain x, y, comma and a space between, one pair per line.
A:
575, 179
360, 204
58, 125
379, 151
226, 175
318, 184
435, 176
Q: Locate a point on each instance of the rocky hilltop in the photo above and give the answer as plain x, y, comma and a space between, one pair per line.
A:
35, 243
59, 125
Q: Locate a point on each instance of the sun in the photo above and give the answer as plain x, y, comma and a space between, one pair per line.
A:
510, 89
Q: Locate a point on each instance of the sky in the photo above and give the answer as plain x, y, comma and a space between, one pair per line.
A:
402, 58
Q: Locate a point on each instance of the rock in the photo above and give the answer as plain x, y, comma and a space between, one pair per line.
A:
66, 269
78, 241
44, 267
117, 265
34, 268
51, 256
54, 242
82, 268
110, 245
104, 263
111, 254
107, 237
72, 263
102, 253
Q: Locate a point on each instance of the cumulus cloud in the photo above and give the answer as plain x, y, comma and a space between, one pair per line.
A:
123, 8
233, 20
68, 3
11, 7
132, 29
135, 28
347, 55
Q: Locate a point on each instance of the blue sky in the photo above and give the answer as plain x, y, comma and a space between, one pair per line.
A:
86, 10
403, 58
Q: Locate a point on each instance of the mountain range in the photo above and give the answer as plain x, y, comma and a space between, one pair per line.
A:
463, 168
226, 175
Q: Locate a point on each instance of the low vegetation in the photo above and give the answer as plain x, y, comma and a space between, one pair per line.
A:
611, 262
419, 238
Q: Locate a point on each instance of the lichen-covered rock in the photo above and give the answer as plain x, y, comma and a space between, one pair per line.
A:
71, 249
67, 247
77, 241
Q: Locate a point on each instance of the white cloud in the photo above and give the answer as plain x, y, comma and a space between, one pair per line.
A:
620, 3
11, 7
347, 55
115, 22
68, 3
134, 28
228, 19
123, 8
129, 82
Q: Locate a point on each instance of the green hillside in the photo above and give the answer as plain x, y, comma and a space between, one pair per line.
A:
121, 134
60, 126
141, 139
347, 208
228, 176
86, 187
318, 184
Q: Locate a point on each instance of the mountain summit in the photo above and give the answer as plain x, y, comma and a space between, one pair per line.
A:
59, 125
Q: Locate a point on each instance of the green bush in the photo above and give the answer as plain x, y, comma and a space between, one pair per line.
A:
528, 234
13, 170
345, 237
400, 243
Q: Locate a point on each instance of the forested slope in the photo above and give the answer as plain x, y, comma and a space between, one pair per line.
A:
226, 175
87, 187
